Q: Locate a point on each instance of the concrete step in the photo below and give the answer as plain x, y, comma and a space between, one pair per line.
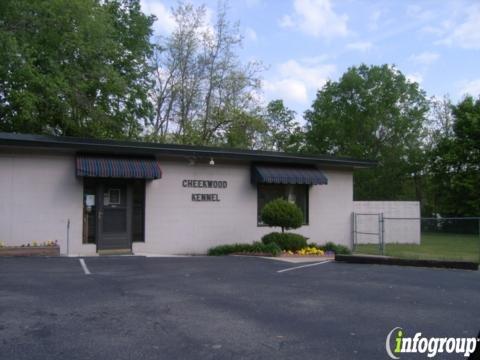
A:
115, 252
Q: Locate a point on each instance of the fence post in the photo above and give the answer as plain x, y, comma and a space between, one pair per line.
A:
383, 233
380, 233
354, 231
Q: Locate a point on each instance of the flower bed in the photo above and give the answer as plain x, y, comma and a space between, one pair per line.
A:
49, 248
308, 251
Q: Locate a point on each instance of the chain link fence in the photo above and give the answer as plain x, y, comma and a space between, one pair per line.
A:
456, 239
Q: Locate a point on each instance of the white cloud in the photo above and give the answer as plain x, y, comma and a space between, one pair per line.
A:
165, 23
374, 20
361, 46
313, 76
415, 77
296, 81
424, 58
286, 89
286, 22
250, 34
316, 18
418, 13
467, 33
252, 3
208, 25
438, 30
315, 60
471, 87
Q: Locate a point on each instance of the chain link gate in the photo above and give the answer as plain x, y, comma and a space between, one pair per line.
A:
369, 229
436, 238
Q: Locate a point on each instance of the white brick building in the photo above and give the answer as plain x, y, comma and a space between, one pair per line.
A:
93, 195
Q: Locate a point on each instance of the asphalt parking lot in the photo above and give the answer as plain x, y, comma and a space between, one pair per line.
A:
223, 308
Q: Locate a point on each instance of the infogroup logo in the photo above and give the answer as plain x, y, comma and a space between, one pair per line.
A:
397, 343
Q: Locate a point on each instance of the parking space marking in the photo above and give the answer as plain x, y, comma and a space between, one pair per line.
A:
303, 266
84, 267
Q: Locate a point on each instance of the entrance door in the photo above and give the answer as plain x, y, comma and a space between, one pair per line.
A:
114, 215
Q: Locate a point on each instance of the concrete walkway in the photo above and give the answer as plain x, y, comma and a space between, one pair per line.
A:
300, 259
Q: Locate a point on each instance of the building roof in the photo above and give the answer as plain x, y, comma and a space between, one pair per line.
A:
145, 148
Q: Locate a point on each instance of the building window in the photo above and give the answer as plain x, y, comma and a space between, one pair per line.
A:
297, 194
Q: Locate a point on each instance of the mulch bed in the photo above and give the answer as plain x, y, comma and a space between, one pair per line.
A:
283, 255
30, 251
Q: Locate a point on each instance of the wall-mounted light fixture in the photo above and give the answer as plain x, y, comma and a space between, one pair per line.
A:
191, 160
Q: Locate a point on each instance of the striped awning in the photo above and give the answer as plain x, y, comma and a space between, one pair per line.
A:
271, 174
118, 167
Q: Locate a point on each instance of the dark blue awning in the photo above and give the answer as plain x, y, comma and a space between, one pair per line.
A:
115, 167
271, 174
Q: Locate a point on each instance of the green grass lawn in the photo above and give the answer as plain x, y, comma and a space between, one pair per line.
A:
433, 247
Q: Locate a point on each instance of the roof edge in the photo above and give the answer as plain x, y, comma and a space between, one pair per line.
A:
137, 147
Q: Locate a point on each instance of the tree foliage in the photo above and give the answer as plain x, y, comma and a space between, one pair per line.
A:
74, 67
282, 131
455, 165
201, 86
372, 112
286, 241
282, 213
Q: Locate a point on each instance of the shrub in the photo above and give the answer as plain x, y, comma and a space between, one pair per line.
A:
256, 247
286, 241
337, 249
227, 249
282, 213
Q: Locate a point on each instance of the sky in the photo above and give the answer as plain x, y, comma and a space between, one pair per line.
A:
304, 43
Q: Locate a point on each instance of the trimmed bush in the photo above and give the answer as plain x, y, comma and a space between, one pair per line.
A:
286, 241
282, 213
227, 249
337, 249
257, 247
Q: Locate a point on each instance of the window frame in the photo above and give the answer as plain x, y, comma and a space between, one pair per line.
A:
143, 185
306, 219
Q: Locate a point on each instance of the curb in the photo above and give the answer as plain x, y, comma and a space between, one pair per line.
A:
384, 260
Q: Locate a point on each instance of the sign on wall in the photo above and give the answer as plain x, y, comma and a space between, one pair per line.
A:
205, 184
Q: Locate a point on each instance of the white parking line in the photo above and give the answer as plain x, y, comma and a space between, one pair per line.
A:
303, 266
84, 266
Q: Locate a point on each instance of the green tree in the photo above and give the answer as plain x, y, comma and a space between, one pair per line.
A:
201, 85
74, 67
455, 165
282, 213
245, 130
372, 112
283, 133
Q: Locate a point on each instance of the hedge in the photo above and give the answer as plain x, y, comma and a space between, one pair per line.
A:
255, 248
286, 241
337, 249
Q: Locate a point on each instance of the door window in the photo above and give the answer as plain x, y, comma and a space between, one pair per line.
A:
89, 211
